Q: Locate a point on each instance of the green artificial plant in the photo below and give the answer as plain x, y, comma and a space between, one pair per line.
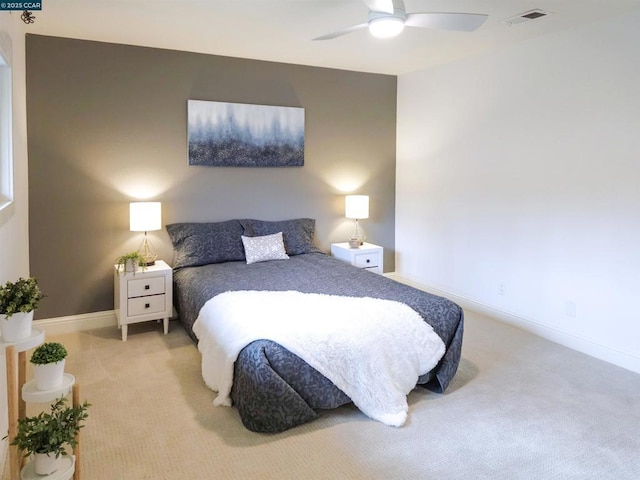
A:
50, 352
23, 296
48, 433
136, 258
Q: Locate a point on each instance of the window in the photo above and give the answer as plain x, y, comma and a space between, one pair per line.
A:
6, 140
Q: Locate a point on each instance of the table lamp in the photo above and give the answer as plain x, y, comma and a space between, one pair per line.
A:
145, 217
357, 208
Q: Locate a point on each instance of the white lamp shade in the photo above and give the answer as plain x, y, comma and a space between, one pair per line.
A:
356, 206
145, 216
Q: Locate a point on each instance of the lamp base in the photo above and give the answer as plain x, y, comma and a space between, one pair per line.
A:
147, 253
357, 239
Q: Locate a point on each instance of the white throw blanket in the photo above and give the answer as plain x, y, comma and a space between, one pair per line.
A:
373, 350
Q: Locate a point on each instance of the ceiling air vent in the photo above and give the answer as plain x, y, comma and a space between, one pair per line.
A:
526, 17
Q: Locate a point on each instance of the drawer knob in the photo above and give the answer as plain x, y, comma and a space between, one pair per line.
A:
147, 287
146, 305
368, 260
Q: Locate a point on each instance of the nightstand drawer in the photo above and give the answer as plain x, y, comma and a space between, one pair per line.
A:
145, 286
145, 305
366, 260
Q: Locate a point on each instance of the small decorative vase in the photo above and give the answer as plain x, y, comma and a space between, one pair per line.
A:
46, 463
17, 327
49, 375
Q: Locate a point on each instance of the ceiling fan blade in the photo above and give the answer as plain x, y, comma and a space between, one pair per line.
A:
465, 22
344, 31
385, 6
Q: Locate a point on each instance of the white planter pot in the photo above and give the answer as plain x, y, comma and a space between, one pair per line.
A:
46, 463
17, 327
49, 375
131, 267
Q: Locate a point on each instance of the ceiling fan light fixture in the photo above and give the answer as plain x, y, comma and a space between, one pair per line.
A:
386, 27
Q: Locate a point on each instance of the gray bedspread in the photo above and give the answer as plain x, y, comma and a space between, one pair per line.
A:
274, 389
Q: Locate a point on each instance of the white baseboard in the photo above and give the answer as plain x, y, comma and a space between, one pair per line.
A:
75, 323
589, 346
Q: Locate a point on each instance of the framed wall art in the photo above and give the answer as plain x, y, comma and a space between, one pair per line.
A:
242, 135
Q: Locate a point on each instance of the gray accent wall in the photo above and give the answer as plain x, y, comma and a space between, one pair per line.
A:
107, 125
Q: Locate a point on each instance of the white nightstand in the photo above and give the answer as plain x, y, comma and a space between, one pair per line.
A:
143, 296
368, 256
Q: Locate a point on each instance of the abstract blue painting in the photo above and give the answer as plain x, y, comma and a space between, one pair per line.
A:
241, 135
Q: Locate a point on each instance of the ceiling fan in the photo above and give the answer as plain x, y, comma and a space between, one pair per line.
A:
388, 18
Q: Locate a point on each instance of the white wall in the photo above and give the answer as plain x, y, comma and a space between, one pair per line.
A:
523, 167
14, 235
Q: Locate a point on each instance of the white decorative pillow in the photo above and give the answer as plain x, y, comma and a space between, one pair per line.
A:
264, 248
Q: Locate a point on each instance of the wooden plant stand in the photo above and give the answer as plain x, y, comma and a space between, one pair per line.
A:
19, 391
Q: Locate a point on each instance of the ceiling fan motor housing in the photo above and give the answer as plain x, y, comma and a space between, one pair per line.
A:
397, 13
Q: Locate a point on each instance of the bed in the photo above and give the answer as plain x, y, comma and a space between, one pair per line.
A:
274, 389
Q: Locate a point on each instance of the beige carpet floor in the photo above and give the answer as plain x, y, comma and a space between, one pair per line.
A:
520, 407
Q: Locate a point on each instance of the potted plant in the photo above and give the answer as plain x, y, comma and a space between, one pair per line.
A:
18, 300
130, 262
46, 435
48, 365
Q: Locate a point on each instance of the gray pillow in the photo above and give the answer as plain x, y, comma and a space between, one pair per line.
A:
203, 243
297, 233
